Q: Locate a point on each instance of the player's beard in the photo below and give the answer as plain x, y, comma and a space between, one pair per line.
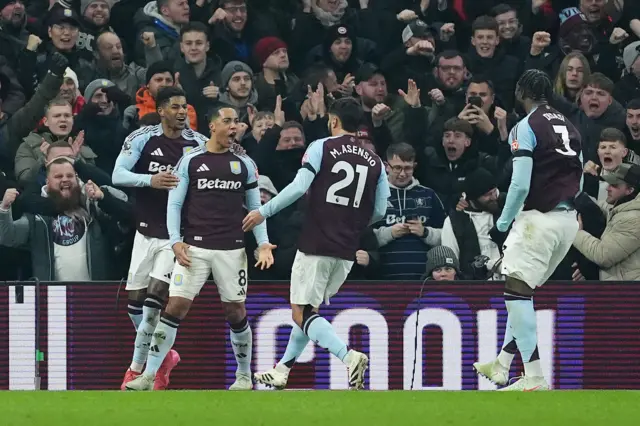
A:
64, 204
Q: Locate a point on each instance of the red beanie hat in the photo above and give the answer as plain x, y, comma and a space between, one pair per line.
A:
266, 46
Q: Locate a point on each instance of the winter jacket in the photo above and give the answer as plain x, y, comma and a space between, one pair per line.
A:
167, 34
617, 251
29, 158
405, 258
502, 69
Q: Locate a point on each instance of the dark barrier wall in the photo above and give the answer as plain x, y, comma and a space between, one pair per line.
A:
588, 333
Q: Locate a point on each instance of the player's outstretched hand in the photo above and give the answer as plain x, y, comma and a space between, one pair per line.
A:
164, 180
265, 256
181, 251
252, 220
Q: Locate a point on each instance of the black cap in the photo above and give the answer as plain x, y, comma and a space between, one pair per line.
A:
59, 15
366, 71
419, 29
625, 173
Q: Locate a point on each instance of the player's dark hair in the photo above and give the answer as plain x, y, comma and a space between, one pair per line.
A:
60, 160
634, 104
350, 113
456, 124
449, 54
194, 27
166, 93
482, 79
535, 85
600, 81
402, 150
611, 134
214, 112
501, 9
484, 22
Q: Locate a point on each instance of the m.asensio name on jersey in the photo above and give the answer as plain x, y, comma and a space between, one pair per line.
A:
351, 149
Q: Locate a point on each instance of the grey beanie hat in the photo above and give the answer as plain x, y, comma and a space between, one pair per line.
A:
231, 68
101, 83
265, 183
630, 54
439, 257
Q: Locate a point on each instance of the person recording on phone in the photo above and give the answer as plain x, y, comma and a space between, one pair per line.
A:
491, 123
413, 221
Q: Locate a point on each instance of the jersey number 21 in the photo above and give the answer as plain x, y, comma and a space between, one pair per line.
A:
350, 174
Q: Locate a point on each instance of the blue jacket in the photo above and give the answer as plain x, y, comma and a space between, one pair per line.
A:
405, 258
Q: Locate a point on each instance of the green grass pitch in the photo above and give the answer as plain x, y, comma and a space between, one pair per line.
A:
326, 408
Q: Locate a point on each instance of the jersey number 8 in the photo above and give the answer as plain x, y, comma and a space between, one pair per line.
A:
564, 134
347, 180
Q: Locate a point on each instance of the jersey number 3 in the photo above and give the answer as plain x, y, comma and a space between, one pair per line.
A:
563, 132
350, 173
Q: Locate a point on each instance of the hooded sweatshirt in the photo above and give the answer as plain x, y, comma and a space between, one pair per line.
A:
405, 258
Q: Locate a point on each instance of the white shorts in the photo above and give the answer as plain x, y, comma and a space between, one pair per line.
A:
228, 267
537, 243
315, 279
150, 258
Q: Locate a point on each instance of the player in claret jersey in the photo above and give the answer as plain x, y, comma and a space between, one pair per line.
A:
147, 159
547, 173
208, 204
348, 191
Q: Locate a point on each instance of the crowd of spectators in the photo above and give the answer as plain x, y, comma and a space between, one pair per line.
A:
436, 79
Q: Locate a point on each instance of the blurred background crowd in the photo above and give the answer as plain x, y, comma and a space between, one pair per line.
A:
436, 79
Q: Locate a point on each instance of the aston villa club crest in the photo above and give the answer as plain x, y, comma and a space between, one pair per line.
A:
235, 167
187, 149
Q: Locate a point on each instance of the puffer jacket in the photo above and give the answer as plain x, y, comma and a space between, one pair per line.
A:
29, 158
617, 251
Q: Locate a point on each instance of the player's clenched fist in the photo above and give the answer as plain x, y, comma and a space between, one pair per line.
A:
181, 252
164, 180
265, 256
10, 196
362, 258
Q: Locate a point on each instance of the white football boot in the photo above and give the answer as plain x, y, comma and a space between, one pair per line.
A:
494, 371
357, 364
275, 378
527, 384
141, 383
243, 383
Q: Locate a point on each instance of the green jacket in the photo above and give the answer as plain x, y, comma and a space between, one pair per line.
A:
29, 159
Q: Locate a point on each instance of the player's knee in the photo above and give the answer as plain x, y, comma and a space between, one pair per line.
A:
517, 287
234, 312
158, 288
309, 313
137, 295
178, 307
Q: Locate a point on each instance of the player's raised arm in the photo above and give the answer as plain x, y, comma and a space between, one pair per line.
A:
383, 192
128, 157
523, 142
176, 200
304, 178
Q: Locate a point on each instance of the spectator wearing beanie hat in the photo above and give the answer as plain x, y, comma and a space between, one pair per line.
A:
272, 56
95, 15
340, 50
237, 84
466, 232
159, 75
101, 120
628, 88
442, 264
